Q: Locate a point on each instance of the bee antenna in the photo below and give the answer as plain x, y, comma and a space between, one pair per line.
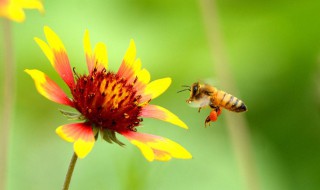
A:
185, 86
184, 90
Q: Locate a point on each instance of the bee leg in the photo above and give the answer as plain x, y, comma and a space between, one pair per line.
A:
218, 110
207, 121
213, 116
199, 109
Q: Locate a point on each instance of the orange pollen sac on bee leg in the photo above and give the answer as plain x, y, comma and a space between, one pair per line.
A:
214, 115
107, 101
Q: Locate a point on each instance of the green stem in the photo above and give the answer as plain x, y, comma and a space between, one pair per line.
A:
237, 125
8, 99
70, 171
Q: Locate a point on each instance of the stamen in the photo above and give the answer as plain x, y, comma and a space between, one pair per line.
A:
91, 95
114, 86
107, 101
121, 102
75, 73
135, 80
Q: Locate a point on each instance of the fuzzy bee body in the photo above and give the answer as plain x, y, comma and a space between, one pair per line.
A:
203, 95
228, 101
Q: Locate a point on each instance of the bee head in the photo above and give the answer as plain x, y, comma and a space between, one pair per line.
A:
200, 94
194, 89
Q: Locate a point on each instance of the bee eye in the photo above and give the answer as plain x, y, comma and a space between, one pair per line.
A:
195, 89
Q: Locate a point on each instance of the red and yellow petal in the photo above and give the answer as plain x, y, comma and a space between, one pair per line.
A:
155, 89
130, 56
158, 112
48, 88
81, 134
131, 70
13, 10
99, 59
143, 79
57, 55
144, 76
156, 147
32, 4
136, 68
130, 66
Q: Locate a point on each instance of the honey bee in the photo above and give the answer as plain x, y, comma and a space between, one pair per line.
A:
203, 95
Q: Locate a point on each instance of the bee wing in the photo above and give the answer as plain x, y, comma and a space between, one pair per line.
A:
211, 81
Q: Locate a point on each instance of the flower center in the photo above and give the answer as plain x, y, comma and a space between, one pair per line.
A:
107, 101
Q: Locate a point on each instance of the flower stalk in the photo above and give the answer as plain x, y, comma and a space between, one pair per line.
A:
8, 99
70, 172
237, 125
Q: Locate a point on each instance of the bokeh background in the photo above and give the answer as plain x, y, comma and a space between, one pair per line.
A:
273, 51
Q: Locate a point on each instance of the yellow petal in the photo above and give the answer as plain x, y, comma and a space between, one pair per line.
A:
162, 156
81, 134
46, 50
146, 150
130, 66
155, 89
100, 54
99, 59
57, 56
14, 10
170, 147
13, 13
82, 148
86, 43
65, 135
144, 76
53, 40
48, 88
33, 4
143, 79
88, 51
137, 66
156, 147
130, 55
158, 112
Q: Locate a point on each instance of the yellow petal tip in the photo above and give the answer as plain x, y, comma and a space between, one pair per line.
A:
82, 148
60, 133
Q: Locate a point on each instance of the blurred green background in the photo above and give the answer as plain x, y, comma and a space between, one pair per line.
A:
273, 50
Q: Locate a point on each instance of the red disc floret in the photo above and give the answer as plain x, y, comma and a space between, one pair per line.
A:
107, 101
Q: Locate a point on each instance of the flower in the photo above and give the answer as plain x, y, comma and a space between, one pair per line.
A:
107, 102
13, 9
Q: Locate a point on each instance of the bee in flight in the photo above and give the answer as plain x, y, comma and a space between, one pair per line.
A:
203, 95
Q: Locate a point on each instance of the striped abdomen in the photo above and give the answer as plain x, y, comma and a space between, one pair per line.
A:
229, 102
